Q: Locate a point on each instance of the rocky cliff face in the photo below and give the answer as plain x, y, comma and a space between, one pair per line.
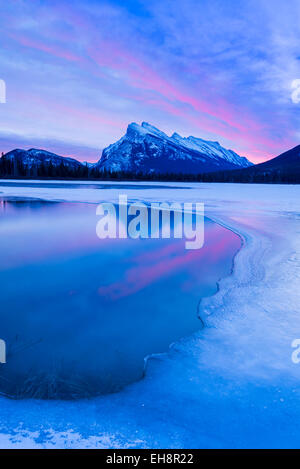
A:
146, 149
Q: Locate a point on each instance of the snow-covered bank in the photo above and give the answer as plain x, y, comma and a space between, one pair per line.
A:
233, 384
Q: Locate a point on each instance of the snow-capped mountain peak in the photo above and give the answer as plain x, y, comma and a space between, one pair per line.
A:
145, 148
213, 149
153, 130
137, 131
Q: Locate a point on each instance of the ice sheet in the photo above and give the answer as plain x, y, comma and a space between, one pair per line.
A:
232, 384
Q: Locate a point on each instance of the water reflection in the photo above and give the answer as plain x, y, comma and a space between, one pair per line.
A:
79, 314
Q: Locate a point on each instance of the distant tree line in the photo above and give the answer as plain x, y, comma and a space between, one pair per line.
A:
15, 168
255, 176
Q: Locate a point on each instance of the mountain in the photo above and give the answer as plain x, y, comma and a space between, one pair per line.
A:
283, 168
146, 149
156, 153
40, 163
287, 161
34, 157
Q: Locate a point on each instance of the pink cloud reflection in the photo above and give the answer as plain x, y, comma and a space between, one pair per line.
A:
169, 260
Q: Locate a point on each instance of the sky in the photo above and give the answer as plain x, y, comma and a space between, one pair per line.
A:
77, 73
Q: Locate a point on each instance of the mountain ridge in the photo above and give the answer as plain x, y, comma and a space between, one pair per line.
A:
145, 148
283, 168
155, 146
35, 155
40, 163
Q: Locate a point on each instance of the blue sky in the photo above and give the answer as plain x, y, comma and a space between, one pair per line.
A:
78, 72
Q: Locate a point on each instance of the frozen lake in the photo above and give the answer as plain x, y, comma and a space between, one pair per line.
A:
232, 384
80, 314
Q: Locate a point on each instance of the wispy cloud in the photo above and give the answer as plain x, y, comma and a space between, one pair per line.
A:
215, 69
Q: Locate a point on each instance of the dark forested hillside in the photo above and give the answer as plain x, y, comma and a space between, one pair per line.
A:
285, 168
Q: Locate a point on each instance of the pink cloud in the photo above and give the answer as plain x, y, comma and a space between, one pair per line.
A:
54, 50
155, 87
217, 116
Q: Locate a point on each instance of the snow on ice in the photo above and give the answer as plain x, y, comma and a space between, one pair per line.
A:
232, 384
